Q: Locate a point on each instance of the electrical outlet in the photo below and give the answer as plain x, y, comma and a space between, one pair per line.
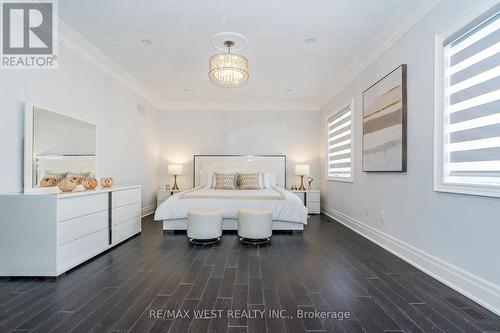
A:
367, 210
382, 216
141, 109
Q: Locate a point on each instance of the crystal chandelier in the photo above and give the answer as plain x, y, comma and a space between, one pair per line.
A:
228, 69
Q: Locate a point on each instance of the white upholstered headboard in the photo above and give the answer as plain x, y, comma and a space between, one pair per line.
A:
241, 164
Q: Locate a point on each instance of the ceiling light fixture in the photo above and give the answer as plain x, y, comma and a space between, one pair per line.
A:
310, 40
147, 41
228, 69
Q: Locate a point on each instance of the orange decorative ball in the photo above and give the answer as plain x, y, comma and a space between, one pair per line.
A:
67, 184
48, 182
107, 182
89, 183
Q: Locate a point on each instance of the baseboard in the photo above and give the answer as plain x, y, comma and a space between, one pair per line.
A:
148, 210
476, 288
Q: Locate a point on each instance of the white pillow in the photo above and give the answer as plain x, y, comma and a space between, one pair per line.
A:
269, 179
206, 179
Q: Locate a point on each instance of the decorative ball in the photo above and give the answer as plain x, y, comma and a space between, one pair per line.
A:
107, 182
89, 183
67, 184
48, 182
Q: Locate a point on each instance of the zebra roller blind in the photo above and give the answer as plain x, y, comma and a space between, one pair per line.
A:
340, 145
472, 103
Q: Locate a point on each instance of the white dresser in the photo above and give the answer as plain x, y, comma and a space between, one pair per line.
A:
311, 199
48, 234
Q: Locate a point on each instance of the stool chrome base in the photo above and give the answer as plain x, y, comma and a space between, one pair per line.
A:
255, 241
204, 241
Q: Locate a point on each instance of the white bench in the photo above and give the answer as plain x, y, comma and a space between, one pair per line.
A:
204, 225
255, 225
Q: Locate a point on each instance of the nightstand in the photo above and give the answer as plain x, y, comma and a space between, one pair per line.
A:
162, 195
311, 199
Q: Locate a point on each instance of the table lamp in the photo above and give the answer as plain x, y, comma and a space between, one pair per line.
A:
302, 170
175, 170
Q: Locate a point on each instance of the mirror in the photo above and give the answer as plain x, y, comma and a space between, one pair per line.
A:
56, 146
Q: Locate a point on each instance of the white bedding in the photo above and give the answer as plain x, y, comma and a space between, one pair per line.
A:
285, 205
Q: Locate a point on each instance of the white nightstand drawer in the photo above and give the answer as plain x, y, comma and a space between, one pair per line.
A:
313, 197
314, 207
69, 208
126, 197
123, 213
70, 230
126, 229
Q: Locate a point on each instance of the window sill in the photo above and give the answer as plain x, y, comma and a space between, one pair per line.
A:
468, 189
343, 180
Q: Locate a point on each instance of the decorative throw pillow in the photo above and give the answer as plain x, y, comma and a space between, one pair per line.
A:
78, 177
225, 181
250, 181
269, 179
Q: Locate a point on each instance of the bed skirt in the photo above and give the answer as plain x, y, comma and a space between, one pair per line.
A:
231, 224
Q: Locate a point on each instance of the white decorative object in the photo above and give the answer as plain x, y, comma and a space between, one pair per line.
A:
204, 224
228, 69
48, 234
255, 223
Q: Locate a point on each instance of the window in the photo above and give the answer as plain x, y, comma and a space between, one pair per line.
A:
339, 144
468, 108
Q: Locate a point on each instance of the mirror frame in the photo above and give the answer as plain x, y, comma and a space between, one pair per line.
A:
28, 163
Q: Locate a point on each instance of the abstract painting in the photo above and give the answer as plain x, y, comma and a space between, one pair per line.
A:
384, 123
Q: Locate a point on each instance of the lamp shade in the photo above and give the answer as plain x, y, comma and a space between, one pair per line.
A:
175, 169
302, 170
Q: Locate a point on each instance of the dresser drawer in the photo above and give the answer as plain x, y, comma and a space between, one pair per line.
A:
81, 249
124, 213
125, 230
70, 208
70, 230
126, 197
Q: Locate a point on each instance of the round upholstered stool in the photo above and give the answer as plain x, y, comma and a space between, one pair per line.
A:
255, 225
204, 225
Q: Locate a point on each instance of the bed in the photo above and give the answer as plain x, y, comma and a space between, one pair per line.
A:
289, 212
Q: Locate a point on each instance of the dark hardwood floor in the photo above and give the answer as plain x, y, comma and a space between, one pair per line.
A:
328, 268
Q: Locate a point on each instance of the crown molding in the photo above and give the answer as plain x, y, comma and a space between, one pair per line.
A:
82, 47
225, 106
407, 15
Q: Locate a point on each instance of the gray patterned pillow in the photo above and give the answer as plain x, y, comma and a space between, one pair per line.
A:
225, 181
250, 181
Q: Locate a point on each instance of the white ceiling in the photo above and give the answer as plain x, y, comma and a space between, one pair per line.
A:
276, 29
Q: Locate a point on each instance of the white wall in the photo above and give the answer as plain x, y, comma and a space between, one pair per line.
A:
127, 141
454, 237
186, 133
